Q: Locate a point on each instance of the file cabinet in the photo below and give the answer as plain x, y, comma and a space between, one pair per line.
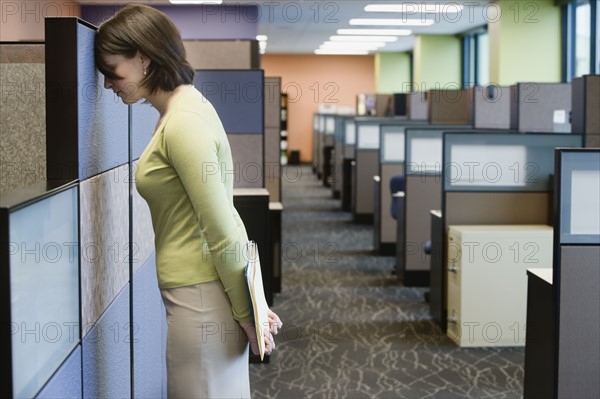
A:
486, 274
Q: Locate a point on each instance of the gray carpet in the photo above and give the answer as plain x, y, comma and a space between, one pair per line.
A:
351, 330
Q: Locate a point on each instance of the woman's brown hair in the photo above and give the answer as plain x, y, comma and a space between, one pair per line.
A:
142, 28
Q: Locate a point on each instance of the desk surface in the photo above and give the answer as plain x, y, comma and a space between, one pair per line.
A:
542, 273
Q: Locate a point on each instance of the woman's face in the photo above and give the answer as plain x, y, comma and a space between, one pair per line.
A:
129, 72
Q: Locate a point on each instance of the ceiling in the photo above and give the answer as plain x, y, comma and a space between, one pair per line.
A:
301, 26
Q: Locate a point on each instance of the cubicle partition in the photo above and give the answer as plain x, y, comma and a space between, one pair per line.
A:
337, 159
450, 107
422, 167
561, 356
366, 163
237, 96
272, 172
39, 241
327, 146
541, 107
114, 321
319, 144
491, 179
22, 115
416, 106
491, 107
585, 101
346, 161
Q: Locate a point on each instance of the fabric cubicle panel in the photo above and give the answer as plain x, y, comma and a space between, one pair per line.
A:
541, 107
237, 96
585, 102
222, 54
491, 107
272, 172
39, 281
22, 115
576, 273
87, 139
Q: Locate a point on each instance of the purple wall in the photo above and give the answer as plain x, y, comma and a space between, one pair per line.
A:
232, 21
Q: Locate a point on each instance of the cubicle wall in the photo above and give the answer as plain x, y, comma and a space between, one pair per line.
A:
222, 54
491, 107
272, 98
416, 106
422, 193
237, 96
87, 139
347, 154
450, 107
327, 146
577, 273
114, 321
585, 117
39, 236
493, 178
317, 145
541, 107
22, 115
366, 164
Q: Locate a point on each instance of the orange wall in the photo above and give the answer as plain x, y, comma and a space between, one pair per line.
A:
311, 80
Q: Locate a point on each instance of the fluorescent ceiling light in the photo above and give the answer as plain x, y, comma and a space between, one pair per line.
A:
358, 31
351, 38
412, 8
261, 38
215, 2
360, 45
391, 21
341, 52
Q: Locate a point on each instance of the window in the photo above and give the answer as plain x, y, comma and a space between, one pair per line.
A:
580, 38
475, 58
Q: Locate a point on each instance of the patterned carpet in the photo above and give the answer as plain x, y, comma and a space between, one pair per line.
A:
351, 330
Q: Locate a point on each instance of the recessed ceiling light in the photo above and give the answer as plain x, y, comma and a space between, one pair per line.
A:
350, 38
385, 32
357, 45
215, 2
341, 52
413, 8
391, 21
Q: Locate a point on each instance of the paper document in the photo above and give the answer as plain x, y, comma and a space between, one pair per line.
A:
257, 294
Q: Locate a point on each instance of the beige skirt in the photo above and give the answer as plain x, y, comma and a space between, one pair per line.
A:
207, 351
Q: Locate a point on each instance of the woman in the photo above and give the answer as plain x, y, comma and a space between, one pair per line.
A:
199, 236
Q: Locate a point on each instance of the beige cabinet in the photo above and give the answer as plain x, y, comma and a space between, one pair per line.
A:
486, 274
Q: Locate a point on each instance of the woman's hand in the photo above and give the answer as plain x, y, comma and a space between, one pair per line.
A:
250, 330
275, 323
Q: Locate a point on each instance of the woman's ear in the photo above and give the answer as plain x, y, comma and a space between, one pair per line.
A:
144, 60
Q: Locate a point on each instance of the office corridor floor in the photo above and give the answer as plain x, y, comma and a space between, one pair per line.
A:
350, 329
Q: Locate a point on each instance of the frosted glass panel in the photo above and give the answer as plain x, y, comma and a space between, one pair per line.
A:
44, 278
425, 155
580, 196
482, 165
392, 147
350, 133
585, 202
502, 161
368, 137
330, 125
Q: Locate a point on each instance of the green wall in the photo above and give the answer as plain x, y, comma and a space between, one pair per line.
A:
525, 41
392, 73
437, 62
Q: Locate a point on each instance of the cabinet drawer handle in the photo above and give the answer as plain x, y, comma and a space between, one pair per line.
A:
453, 269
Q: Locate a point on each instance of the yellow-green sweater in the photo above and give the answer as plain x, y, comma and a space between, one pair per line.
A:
185, 174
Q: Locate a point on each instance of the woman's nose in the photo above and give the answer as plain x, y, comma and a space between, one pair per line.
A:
107, 83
